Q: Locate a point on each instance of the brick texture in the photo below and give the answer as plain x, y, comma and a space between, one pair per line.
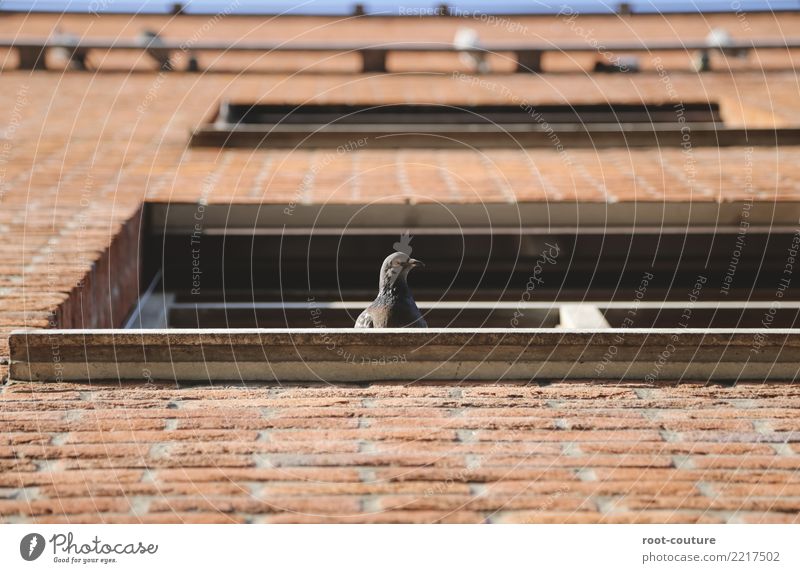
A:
64, 461
81, 152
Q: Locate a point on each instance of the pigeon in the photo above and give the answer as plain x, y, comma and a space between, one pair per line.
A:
394, 306
721, 39
69, 52
154, 48
471, 52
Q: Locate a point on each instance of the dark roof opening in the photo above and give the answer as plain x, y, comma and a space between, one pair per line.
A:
342, 114
491, 279
484, 126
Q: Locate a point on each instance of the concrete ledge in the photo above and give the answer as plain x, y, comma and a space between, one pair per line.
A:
522, 217
348, 355
503, 136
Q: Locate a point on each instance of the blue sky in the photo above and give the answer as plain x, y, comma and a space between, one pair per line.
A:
387, 6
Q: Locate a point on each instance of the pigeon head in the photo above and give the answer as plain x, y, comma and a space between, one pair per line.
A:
396, 266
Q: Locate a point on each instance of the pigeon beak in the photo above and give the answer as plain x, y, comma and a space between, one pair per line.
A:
415, 263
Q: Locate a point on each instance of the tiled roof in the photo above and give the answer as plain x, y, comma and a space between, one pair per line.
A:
82, 151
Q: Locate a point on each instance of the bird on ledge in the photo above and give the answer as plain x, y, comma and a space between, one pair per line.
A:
394, 306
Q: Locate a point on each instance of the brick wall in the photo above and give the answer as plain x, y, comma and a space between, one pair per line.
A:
560, 453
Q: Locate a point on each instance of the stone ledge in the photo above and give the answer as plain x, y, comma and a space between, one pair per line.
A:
454, 355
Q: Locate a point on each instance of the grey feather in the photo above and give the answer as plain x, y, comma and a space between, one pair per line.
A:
394, 307
364, 320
